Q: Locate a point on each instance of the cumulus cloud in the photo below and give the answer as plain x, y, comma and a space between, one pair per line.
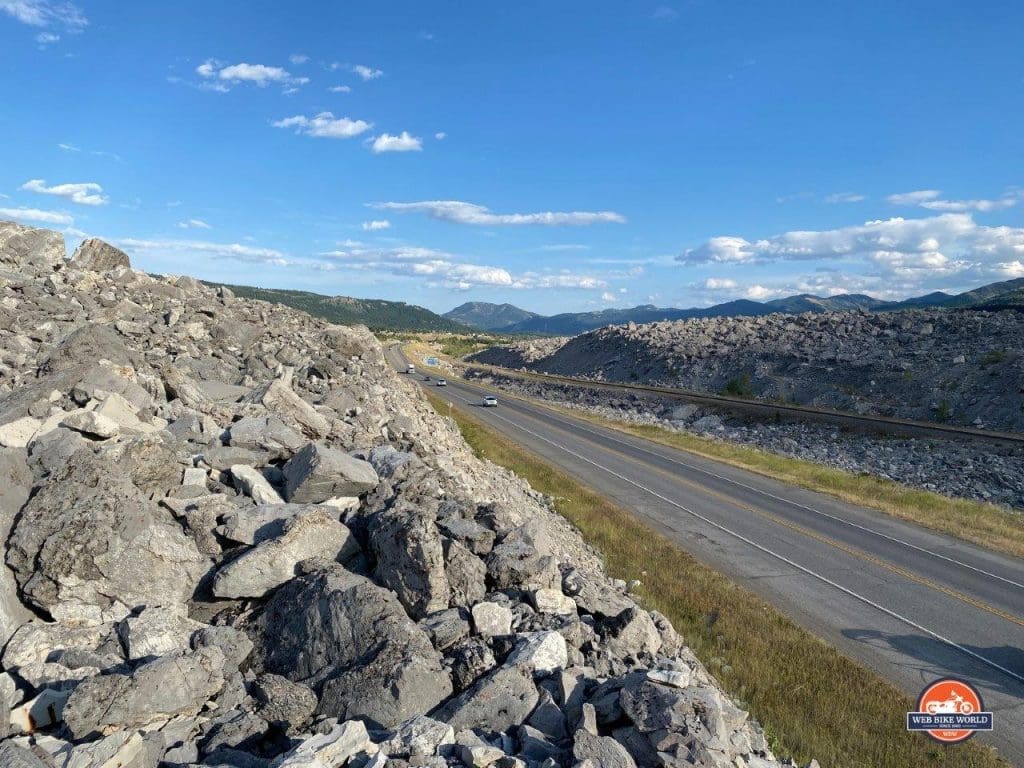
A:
440, 135
298, 58
376, 225
469, 213
87, 193
218, 76
930, 199
913, 198
341, 89
193, 224
959, 206
720, 284
45, 13
404, 142
367, 73
843, 197
36, 215
233, 251
444, 269
325, 126
896, 254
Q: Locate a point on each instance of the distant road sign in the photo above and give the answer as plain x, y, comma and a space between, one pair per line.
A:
431, 361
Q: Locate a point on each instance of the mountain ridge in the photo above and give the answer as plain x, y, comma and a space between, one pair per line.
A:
1000, 295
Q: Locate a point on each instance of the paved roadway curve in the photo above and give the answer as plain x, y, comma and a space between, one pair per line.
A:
910, 604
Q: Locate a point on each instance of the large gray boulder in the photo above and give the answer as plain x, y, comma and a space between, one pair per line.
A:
31, 250
311, 533
266, 433
99, 256
353, 643
318, 473
15, 485
281, 400
91, 545
497, 702
171, 686
410, 558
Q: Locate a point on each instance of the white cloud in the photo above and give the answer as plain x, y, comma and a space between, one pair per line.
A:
341, 89
440, 135
843, 197
193, 224
912, 250
609, 297
220, 77
298, 58
232, 251
722, 249
376, 225
404, 142
760, 293
46, 38
367, 73
720, 284
325, 126
69, 147
444, 269
559, 247
1010, 269
36, 215
959, 206
913, 198
45, 13
469, 213
929, 198
88, 193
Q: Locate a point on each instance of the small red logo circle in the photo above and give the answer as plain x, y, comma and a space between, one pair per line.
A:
950, 697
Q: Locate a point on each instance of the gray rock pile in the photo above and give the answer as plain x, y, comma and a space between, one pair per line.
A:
234, 537
960, 367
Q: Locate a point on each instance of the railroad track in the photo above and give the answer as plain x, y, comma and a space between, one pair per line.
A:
885, 425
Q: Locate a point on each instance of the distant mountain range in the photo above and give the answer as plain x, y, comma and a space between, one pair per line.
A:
496, 317
487, 316
377, 314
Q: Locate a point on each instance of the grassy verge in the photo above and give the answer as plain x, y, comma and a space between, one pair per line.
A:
813, 701
986, 525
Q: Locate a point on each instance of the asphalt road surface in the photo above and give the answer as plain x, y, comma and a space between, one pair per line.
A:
911, 604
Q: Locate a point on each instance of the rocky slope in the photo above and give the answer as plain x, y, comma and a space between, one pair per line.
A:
960, 367
234, 537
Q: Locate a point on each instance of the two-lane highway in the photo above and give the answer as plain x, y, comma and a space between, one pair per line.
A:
911, 604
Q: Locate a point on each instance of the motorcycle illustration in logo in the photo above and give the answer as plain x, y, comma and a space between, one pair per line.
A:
950, 711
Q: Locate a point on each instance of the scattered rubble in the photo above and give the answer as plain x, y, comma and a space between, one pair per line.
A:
234, 537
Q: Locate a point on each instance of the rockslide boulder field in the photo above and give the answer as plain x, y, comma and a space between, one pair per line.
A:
957, 366
233, 536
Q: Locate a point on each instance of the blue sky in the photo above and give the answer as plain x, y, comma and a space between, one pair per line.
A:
560, 156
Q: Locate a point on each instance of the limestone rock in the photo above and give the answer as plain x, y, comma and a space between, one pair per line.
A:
312, 533
353, 643
318, 473
179, 684
98, 256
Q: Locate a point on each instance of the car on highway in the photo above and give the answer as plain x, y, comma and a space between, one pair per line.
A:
410, 369
490, 401
427, 377
442, 383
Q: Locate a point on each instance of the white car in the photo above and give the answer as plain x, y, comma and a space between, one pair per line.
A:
442, 383
490, 401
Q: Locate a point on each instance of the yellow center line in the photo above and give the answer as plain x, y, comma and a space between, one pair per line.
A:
850, 550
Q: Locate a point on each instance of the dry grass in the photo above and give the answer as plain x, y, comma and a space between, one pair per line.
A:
791, 681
